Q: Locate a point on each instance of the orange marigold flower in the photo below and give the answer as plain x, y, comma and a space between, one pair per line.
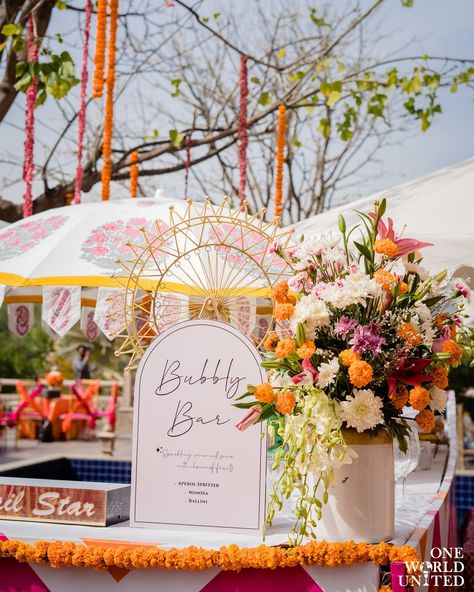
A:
285, 402
271, 341
285, 347
399, 398
419, 398
291, 298
439, 377
386, 247
264, 393
440, 323
384, 278
402, 288
280, 292
360, 373
348, 357
455, 352
425, 419
409, 334
284, 311
306, 350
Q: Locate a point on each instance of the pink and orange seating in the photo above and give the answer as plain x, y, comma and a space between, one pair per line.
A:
28, 412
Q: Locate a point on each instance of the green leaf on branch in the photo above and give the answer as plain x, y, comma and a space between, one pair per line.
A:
176, 82
318, 21
10, 30
176, 138
333, 98
153, 136
264, 99
23, 83
324, 128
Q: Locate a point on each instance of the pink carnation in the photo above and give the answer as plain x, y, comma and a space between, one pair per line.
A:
462, 289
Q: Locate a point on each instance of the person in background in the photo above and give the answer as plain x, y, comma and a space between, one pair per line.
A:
80, 364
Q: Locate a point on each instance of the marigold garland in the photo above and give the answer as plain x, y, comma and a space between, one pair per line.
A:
187, 166
82, 108
109, 104
280, 154
231, 558
99, 57
243, 128
133, 174
29, 165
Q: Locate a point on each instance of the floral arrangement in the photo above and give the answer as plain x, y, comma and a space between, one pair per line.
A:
365, 332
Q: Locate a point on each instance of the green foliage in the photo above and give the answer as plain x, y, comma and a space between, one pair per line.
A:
264, 99
34, 354
26, 357
317, 20
175, 83
15, 34
176, 138
55, 78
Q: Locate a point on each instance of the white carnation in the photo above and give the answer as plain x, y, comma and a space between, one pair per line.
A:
353, 289
417, 269
279, 379
438, 398
362, 411
327, 373
311, 313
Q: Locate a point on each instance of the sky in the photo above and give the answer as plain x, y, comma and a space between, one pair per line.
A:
433, 27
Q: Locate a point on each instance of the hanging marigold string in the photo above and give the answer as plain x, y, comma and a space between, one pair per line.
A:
99, 56
32, 50
187, 166
82, 108
133, 174
243, 129
280, 155
109, 103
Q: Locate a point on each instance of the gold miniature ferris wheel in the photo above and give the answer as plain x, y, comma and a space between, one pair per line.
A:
206, 262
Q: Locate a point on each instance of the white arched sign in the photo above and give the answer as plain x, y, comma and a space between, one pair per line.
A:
191, 467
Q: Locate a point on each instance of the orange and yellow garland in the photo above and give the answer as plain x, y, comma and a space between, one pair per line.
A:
231, 558
99, 57
133, 174
109, 104
280, 155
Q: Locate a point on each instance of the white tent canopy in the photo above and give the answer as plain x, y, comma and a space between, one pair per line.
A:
437, 208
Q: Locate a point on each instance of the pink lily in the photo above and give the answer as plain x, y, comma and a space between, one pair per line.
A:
252, 415
410, 371
404, 245
308, 369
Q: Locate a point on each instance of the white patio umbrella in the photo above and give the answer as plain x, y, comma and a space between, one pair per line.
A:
436, 208
76, 245
81, 245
